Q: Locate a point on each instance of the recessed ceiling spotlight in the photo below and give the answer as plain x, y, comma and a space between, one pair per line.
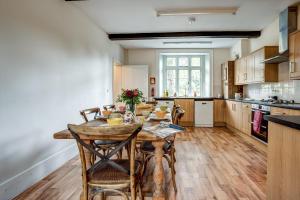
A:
191, 20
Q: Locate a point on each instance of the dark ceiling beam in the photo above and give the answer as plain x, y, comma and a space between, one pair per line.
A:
170, 35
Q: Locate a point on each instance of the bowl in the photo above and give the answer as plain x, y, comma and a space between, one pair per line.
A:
106, 113
146, 113
160, 114
115, 121
163, 108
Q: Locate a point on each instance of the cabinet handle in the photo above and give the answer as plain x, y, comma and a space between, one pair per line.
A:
245, 76
203, 103
278, 113
249, 121
292, 67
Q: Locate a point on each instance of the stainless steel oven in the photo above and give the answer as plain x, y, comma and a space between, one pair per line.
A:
263, 133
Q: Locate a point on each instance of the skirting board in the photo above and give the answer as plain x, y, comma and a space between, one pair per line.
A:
19, 183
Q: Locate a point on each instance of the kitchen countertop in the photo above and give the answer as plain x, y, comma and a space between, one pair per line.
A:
286, 120
196, 98
295, 106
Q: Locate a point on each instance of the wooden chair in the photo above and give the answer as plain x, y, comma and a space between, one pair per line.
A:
100, 145
109, 107
90, 111
147, 149
173, 112
109, 175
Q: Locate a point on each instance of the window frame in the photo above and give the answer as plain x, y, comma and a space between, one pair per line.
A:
202, 68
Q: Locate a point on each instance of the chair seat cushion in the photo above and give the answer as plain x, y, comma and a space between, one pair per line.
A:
106, 142
108, 175
148, 146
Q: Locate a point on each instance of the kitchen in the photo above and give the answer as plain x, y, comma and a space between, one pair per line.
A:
225, 75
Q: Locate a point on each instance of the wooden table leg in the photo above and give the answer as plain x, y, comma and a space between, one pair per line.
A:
158, 175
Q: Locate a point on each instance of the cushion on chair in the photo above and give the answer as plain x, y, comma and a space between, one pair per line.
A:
109, 175
148, 146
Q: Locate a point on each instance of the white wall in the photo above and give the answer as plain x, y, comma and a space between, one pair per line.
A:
269, 37
149, 57
53, 62
220, 56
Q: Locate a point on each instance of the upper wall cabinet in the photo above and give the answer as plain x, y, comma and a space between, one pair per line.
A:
294, 55
252, 69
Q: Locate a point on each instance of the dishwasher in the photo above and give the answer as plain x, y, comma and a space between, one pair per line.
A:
204, 113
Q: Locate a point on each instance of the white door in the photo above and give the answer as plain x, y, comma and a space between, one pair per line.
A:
136, 76
204, 113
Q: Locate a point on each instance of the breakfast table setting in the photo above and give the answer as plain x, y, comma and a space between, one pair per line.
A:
157, 127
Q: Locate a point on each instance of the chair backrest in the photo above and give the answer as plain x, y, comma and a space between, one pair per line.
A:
89, 111
179, 113
109, 107
131, 130
174, 110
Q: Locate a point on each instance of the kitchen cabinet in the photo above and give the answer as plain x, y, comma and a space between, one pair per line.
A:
283, 177
219, 112
229, 87
294, 55
228, 113
284, 111
252, 69
188, 105
234, 114
264, 72
246, 119
249, 75
204, 113
169, 103
240, 71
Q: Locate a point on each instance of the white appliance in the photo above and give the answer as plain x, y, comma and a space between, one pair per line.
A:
204, 113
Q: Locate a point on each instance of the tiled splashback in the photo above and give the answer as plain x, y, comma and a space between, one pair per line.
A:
287, 90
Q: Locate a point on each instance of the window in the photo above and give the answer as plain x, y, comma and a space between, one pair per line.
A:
185, 74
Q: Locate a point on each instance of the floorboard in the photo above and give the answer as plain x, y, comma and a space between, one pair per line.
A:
212, 164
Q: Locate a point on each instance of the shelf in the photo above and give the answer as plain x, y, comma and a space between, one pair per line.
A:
276, 60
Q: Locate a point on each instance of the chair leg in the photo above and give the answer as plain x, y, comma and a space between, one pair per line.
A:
140, 192
168, 159
148, 157
120, 154
128, 151
173, 172
133, 191
102, 196
85, 192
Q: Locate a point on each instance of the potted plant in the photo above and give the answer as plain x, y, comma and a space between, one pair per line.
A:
130, 98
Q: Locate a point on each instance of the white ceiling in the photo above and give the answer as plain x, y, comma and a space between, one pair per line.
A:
216, 43
134, 16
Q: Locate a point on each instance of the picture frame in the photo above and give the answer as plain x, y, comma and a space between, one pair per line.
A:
152, 80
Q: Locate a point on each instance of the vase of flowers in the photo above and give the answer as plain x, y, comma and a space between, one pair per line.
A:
130, 98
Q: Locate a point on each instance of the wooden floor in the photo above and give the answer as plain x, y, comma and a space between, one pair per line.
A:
212, 163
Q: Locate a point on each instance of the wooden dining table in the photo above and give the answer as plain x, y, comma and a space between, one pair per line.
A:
158, 143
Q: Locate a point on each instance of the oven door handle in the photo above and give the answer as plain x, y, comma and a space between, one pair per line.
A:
263, 112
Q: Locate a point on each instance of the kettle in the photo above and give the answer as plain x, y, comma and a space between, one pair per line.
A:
238, 96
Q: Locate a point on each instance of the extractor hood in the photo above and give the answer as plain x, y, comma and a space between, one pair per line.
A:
287, 25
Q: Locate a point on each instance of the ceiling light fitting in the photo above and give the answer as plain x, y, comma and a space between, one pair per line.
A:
188, 42
191, 20
197, 11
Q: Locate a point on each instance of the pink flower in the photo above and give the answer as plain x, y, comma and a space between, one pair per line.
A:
135, 92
